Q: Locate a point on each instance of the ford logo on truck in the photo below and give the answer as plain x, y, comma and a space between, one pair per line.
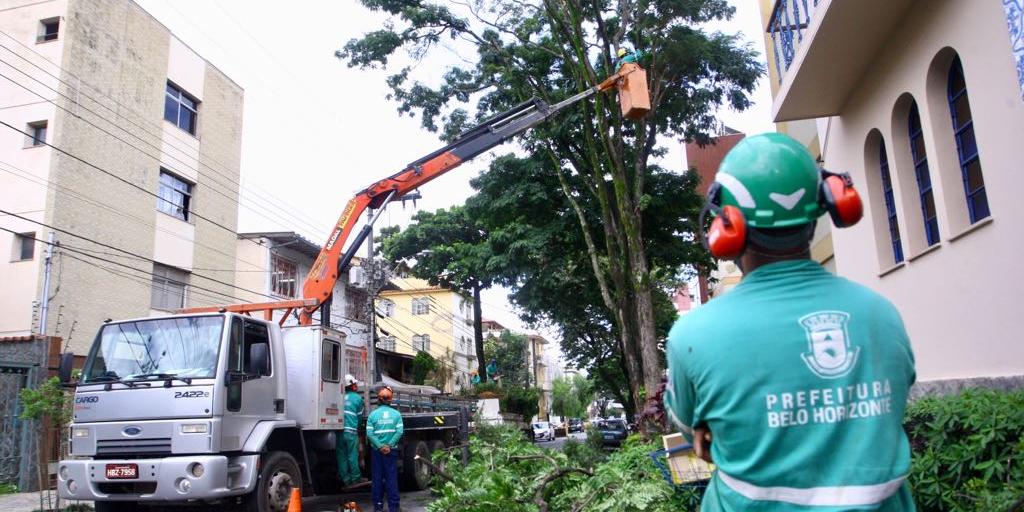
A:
132, 431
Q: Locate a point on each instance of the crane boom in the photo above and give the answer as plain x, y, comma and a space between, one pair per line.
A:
331, 262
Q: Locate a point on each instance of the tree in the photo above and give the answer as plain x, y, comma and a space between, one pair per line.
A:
550, 50
422, 364
570, 396
449, 250
49, 405
510, 352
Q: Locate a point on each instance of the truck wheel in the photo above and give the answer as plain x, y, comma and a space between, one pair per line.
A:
115, 506
415, 475
437, 446
279, 475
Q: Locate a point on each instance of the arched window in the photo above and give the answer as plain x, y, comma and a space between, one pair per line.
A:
890, 204
924, 181
966, 147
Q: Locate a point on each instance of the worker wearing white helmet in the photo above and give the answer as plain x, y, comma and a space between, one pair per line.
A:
347, 446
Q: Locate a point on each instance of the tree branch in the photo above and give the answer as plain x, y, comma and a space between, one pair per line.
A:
538, 495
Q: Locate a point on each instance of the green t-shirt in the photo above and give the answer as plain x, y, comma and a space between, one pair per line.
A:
802, 378
384, 427
353, 411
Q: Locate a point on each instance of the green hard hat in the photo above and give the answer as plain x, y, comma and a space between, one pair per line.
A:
772, 179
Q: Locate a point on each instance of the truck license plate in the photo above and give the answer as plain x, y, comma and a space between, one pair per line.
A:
117, 471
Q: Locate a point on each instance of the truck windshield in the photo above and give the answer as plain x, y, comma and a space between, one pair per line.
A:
176, 347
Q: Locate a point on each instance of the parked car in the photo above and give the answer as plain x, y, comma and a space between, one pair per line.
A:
575, 425
613, 432
542, 431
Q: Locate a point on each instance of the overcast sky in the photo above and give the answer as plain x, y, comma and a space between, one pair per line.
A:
315, 131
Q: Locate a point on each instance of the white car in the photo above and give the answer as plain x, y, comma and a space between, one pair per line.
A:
542, 431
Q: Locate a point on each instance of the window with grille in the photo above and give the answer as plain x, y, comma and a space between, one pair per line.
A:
966, 145
386, 343
330, 361
283, 276
921, 173
37, 134
168, 285
180, 108
421, 342
24, 247
175, 196
421, 306
357, 363
890, 203
49, 30
386, 307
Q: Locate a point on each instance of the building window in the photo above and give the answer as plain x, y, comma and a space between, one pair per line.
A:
924, 181
386, 343
175, 196
24, 248
168, 287
357, 363
966, 146
180, 108
48, 30
36, 134
283, 276
890, 203
421, 342
386, 307
421, 306
330, 361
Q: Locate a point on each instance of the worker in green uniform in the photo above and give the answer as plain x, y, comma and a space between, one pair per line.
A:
795, 382
346, 449
384, 430
623, 56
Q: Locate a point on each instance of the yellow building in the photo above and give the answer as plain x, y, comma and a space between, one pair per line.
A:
414, 316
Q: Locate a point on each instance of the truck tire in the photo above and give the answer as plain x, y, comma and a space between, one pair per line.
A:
415, 475
437, 446
279, 475
115, 506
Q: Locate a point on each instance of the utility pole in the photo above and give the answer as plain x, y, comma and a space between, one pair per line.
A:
371, 318
44, 302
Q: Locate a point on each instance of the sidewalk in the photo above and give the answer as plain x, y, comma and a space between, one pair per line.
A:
411, 502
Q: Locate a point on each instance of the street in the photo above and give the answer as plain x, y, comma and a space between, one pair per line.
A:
559, 442
411, 502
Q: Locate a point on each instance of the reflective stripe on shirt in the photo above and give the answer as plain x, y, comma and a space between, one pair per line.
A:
351, 429
385, 431
841, 496
353, 413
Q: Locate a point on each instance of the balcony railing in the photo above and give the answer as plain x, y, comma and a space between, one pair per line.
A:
787, 25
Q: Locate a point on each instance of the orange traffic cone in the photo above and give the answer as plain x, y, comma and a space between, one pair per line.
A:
295, 500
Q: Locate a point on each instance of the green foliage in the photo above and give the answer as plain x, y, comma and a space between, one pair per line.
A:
509, 350
8, 489
46, 401
505, 471
570, 396
422, 365
521, 401
587, 454
968, 450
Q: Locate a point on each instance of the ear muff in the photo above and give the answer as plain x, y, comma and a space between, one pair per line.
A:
840, 198
727, 237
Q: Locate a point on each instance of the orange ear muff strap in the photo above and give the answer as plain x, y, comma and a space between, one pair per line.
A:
841, 199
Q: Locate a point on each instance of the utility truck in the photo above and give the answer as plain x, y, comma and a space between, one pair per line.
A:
217, 405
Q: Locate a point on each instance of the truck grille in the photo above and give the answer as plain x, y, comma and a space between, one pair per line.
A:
133, 447
127, 487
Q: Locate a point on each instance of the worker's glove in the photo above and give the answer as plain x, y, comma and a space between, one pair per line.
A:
385, 449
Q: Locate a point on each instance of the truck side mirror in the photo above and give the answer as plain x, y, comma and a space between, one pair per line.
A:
259, 359
67, 361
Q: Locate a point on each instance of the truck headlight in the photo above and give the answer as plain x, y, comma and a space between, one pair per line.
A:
80, 432
195, 428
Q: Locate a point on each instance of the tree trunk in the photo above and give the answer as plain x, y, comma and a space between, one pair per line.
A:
643, 308
478, 335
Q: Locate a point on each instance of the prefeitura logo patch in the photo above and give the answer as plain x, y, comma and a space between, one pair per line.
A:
830, 354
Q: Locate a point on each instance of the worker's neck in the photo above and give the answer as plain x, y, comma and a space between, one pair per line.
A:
753, 258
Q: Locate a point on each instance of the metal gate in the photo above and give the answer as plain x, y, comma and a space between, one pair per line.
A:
13, 434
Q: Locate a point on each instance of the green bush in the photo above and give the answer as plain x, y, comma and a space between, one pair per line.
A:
968, 450
8, 489
521, 401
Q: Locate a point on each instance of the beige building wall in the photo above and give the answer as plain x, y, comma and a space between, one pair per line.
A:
957, 297
114, 61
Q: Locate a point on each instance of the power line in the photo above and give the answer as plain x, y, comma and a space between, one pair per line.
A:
61, 189
294, 212
102, 244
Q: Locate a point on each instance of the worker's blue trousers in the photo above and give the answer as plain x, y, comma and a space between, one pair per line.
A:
385, 477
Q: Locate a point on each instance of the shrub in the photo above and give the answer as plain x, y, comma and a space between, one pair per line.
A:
521, 401
968, 450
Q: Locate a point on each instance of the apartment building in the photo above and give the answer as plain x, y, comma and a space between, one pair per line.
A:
126, 143
542, 367
272, 266
414, 316
923, 103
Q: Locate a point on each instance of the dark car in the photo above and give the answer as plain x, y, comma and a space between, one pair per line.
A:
575, 425
613, 432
